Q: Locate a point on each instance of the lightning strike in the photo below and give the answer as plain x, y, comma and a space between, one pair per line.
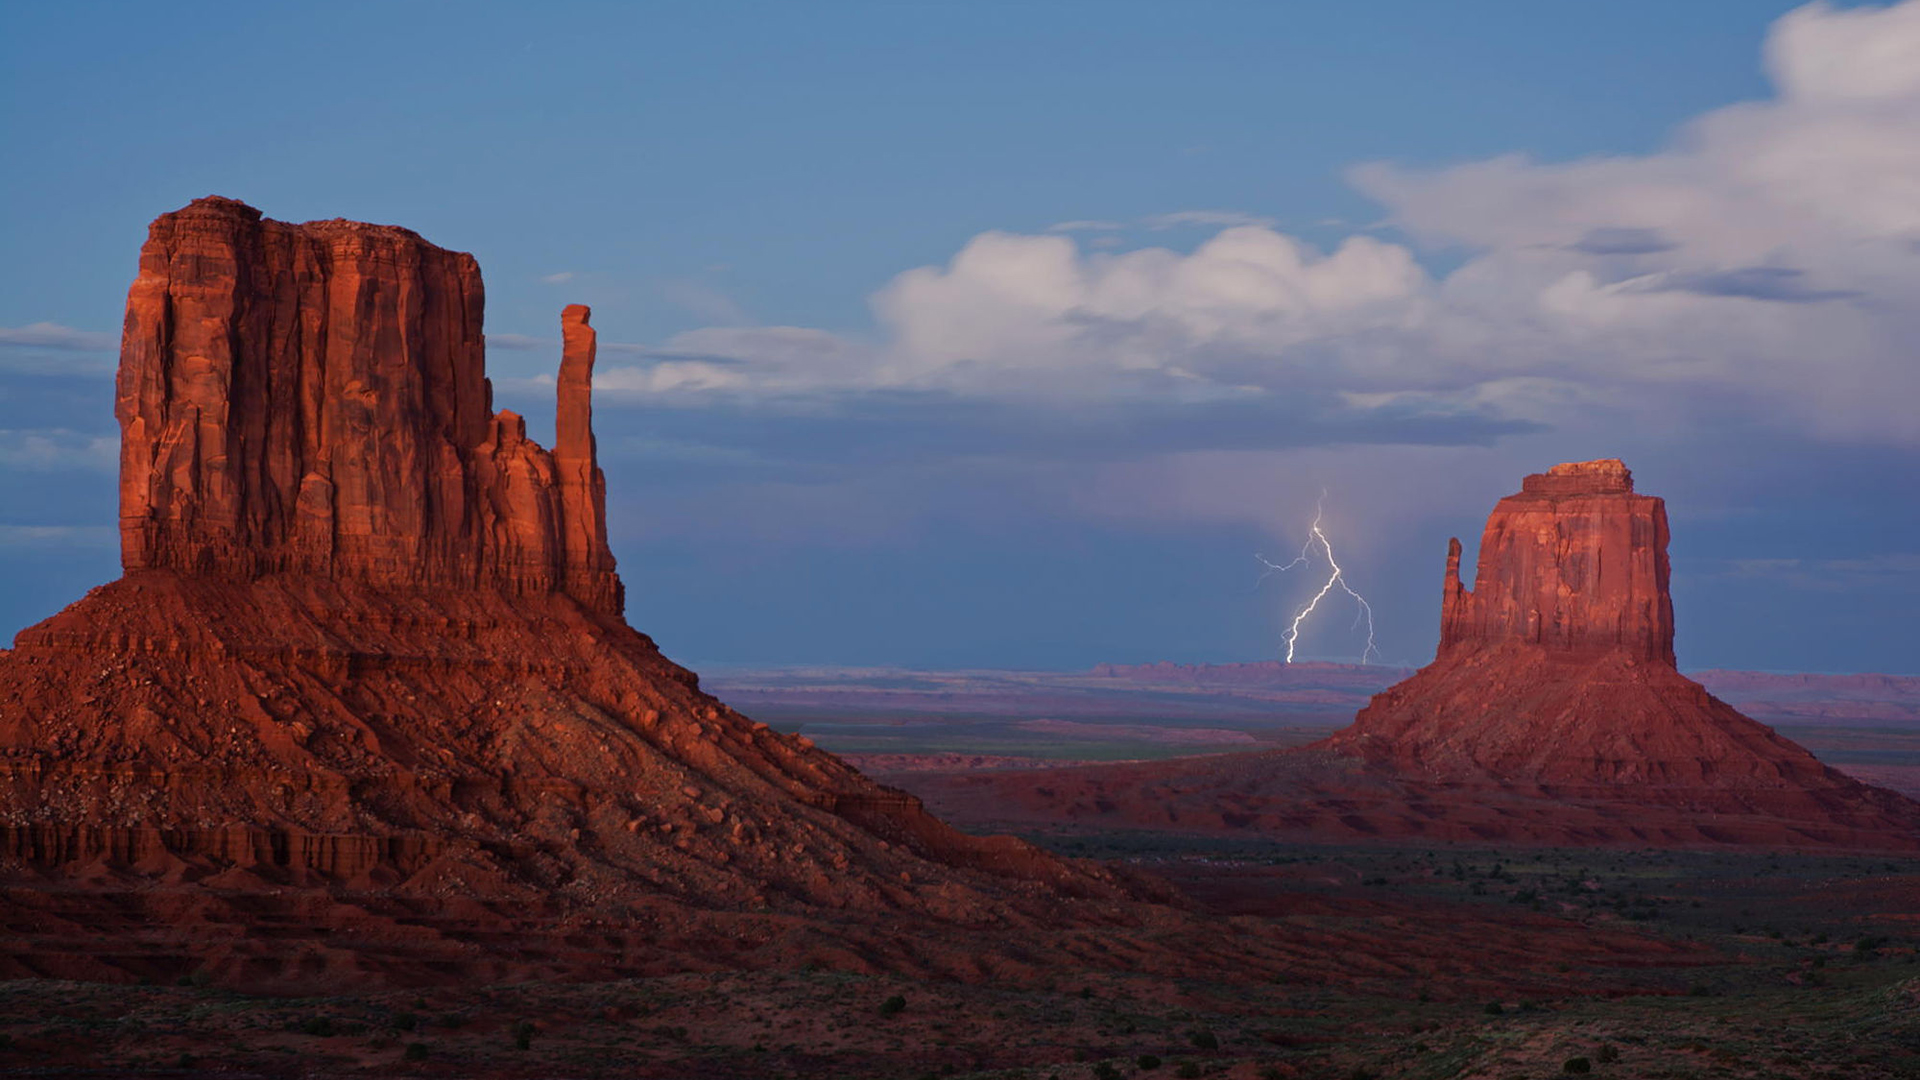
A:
1315, 535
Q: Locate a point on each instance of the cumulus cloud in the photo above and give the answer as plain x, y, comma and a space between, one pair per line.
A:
1764, 261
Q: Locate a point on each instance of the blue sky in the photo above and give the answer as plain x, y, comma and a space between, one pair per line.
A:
1007, 334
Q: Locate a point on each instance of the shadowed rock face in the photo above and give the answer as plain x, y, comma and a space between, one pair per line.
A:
313, 398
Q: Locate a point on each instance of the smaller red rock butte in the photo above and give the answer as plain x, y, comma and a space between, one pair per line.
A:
313, 398
1575, 563
1551, 713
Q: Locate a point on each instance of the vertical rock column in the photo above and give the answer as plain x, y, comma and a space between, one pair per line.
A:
589, 575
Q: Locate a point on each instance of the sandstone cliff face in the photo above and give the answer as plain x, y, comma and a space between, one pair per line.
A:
1575, 563
313, 398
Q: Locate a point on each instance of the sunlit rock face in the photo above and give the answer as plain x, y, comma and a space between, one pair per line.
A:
1576, 563
313, 398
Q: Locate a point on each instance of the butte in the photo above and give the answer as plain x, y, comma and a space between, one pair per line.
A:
366, 702
1552, 713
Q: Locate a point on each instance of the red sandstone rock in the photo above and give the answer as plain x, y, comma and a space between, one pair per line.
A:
369, 643
313, 399
1552, 713
1575, 563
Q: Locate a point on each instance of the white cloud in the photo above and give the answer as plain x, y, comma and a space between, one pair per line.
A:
1765, 261
1217, 219
1086, 225
54, 449
46, 335
520, 342
58, 536
560, 278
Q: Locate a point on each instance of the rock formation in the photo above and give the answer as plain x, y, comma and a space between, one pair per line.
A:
369, 644
313, 399
1558, 666
1576, 563
1552, 712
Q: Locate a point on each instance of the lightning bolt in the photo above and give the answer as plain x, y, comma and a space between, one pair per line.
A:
1316, 536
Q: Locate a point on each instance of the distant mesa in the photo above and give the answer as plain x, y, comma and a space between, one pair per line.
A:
368, 669
1553, 712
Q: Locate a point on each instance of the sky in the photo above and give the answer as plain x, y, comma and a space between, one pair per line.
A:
1011, 334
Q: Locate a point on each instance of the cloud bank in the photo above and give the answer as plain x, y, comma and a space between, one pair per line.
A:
1764, 262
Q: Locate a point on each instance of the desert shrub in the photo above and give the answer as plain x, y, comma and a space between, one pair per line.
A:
1106, 1071
1494, 1008
1147, 1062
1187, 1071
415, 1052
1203, 1039
893, 1005
1607, 1054
403, 1021
1699, 990
1577, 1065
523, 1035
318, 1026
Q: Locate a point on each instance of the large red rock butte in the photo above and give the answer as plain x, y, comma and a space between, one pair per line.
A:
313, 399
368, 661
1552, 712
